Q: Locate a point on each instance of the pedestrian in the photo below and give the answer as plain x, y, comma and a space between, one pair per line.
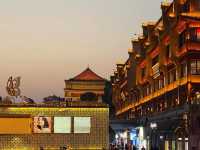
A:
134, 147
126, 147
142, 148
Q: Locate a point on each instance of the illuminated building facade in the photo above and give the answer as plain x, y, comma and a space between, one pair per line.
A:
35, 127
159, 84
87, 82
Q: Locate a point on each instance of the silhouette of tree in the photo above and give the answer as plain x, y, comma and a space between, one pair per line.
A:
53, 98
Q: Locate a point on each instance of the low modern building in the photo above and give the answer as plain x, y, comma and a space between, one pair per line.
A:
85, 83
44, 127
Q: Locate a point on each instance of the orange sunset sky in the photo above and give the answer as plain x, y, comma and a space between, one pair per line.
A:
48, 41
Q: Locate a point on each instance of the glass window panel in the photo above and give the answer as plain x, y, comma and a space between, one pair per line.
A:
183, 70
193, 63
173, 145
62, 124
198, 34
198, 63
193, 70
186, 145
166, 145
82, 124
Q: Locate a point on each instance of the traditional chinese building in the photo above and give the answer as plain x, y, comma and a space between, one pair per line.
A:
85, 85
159, 84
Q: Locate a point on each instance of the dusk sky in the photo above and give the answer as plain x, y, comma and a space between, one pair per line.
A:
48, 41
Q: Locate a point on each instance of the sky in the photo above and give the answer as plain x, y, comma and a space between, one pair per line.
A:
48, 41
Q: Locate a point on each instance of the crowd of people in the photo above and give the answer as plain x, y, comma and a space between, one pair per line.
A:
124, 147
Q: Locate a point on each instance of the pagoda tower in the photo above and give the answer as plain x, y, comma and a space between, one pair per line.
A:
86, 86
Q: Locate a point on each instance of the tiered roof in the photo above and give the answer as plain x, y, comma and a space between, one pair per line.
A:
87, 75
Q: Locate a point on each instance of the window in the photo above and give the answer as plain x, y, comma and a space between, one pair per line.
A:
186, 7
171, 75
148, 89
195, 34
183, 70
195, 67
82, 124
195, 5
156, 84
168, 52
182, 38
155, 60
62, 124
143, 72
161, 83
144, 91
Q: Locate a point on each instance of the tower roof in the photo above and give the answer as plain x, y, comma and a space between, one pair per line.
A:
88, 75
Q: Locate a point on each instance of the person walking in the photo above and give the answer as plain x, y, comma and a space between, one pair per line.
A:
142, 148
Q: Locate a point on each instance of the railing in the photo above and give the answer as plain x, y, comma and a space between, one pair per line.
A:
157, 93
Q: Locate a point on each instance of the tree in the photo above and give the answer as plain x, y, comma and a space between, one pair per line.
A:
53, 98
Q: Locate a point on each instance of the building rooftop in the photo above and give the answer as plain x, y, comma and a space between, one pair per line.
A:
58, 105
87, 75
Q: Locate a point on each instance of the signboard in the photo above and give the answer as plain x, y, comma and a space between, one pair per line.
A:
42, 124
15, 125
62, 124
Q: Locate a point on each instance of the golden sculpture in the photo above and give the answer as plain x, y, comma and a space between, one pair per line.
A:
13, 86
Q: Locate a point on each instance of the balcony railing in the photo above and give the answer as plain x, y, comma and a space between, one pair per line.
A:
160, 92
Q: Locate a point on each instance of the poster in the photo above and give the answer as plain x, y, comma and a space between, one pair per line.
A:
42, 124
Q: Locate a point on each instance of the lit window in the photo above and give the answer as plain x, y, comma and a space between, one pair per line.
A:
195, 67
195, 34
171, 75
156, 84
148, 89
82, 124
198, 34
161, 83
183, 69
62, 124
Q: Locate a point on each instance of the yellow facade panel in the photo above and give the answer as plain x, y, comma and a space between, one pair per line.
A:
15, 125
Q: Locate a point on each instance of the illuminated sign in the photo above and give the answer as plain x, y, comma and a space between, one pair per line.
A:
82, 124
62, 124
42, 124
